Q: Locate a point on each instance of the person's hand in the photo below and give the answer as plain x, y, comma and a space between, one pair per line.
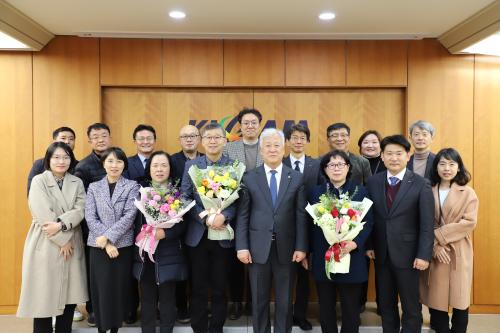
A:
112, 251
244, 256
420, 264
298, 256
348, 247
218, 222
442, 254
159, 234
50, 228
370, 254
101, 241
305, 263
67, 250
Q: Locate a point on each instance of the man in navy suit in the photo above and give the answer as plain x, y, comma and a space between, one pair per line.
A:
402, 237
297, 138
144, 138
271, 232
209, 259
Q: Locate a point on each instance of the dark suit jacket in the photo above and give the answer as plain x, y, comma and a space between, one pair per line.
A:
257, 218
428, 165
90, 170
197, 228
135, 169
312, 176
406, 231
178, 161
358, 271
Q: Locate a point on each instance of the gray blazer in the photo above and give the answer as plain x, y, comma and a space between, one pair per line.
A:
236, 151
257, 218
111, 216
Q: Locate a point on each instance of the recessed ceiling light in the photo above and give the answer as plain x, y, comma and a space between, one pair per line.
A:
326, 16
177, 14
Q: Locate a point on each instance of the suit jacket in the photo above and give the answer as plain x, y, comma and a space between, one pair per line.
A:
178, 161
428, 165
50, 282
360, 169
236, 151
90, 169
135, 169
312, 176
257, 218
406, 231
197, 228
111, 216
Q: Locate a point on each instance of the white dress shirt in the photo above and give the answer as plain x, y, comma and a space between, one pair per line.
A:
279, 169
399, 176
302, 162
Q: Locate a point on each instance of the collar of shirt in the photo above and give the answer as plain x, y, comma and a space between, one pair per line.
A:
399, 176
302, 162
143, 159
213, 163
279, 169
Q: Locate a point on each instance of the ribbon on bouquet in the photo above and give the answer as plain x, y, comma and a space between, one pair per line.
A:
147, 233
212, 212
334, 250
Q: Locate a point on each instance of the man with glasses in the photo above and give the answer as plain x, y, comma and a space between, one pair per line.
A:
297, 138
338, 138
90, 170
144, 138
209, 259
246, 151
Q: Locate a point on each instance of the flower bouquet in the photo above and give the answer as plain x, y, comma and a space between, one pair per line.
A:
340, 219
162, 208
218, 188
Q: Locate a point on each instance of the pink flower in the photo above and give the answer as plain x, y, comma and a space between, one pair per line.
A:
170, 200
172, 213
153, 193
215, 186
164, 208
152, 203
156, 198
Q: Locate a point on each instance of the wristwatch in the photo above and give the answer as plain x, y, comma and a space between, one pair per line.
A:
63, 226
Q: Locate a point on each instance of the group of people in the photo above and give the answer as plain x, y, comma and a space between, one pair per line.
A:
80, 246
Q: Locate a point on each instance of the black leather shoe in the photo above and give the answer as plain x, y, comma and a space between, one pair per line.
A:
91, 320
131, 318
303, 323
183, 317
236, 311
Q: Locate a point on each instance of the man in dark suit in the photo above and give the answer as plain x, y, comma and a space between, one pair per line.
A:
209, 259
271, 232
402, 237
421, 135
144, 138
297, 138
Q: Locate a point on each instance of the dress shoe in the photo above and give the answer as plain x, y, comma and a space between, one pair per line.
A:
303, 323
131, 318
236, 311
91, 320
183, 316
248, 309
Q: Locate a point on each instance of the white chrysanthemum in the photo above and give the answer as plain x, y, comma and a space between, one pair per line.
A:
224, 194
326, 219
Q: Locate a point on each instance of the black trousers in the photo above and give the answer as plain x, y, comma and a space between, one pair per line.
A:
391, 282
63, 322
209, 270
152, 295
441, 321
238, 281
301, 292
350, 297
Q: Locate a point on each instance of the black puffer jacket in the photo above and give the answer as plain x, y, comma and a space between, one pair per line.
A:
90, 170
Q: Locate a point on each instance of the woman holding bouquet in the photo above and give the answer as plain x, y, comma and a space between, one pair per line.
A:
157, 279
336, 168
54, 278
110, 214
447, 282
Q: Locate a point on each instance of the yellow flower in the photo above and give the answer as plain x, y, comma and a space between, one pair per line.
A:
217, 178
201, 190
233, 184
321, 210
211, 173
226, 175
177, 202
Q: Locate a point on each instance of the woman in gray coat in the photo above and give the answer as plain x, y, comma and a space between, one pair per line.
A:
54, 277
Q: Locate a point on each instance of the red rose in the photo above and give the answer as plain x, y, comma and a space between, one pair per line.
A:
351, 213
335, 213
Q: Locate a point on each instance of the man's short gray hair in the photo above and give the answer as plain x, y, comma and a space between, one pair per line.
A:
270, 132
425, 125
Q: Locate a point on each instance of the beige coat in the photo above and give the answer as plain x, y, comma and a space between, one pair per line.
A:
449, 285
48, 281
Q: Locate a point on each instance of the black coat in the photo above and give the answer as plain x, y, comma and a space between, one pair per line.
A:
90, 170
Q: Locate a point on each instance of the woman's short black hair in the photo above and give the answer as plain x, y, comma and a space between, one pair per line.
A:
50, 151
332, 154
397, 139
463, 175
365, 134
147, 170
118, 152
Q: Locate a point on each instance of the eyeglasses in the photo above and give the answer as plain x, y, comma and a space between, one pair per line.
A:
332, 166
145, 139
213, 138
189, 137
248, 123
337, 135
298, 138
64, 158
97, 137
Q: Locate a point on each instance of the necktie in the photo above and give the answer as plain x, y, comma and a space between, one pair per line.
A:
393, 181
145, 162
297, 166
273, 186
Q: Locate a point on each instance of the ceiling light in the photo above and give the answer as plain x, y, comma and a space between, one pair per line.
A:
326, 16
177, 14
9, 43
489, 46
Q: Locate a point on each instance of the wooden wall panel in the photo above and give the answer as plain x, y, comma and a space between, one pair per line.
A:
66, 90
136, 62
315, 63
192, 62
376, 63
254, 63
441, 91
16, 161
486, 179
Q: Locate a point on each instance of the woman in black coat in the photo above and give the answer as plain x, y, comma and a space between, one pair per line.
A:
157, 280
335, 166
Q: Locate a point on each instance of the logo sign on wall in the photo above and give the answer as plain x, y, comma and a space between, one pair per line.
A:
233, 132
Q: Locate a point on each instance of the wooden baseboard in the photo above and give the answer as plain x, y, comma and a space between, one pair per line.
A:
486, 309
8, 309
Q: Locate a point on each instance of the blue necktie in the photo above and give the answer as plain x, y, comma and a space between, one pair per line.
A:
394, 181
297, 166
273, 186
